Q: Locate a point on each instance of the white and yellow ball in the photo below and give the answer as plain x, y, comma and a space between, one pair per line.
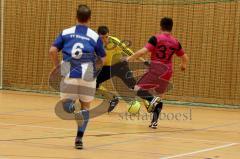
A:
134, 107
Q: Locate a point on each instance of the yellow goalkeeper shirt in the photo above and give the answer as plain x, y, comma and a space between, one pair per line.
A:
115, 50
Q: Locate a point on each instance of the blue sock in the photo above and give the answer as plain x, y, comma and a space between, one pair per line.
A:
68, 106
82, 128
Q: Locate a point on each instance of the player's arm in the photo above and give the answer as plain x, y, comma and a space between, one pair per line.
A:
54, 49
100, 52
138, 54
121, 46
126, 51
150, 46
130, 53
184, 62
53, 53
184, 58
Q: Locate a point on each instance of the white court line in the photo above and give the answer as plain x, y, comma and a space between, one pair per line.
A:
200, 151
191, 139
170, 157
69, 129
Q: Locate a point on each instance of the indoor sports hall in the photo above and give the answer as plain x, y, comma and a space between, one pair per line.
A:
201, 112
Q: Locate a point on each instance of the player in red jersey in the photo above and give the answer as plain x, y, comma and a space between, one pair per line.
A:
162, 48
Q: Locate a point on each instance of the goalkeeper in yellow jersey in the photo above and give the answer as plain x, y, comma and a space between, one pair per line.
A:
113, 65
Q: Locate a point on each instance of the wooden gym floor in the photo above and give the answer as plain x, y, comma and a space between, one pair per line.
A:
30, 129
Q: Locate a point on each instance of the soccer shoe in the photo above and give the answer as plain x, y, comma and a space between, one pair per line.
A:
156, 114
153, 125
154, 121
151, 106
112, 104
78, 143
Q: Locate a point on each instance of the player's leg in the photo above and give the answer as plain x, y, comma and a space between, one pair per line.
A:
153, 105
150, 101
103, 76
146, 83
68, 94
123, 71
82, 117
161, 89
155, 114
68, 105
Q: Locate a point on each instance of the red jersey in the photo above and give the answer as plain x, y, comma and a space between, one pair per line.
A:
163, 47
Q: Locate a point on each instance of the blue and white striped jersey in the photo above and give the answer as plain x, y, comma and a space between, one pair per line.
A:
79, 45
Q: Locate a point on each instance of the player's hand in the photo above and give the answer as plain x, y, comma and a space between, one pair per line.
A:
55, 72
183, 67
99, 63
124, 59
55, 78
55, 69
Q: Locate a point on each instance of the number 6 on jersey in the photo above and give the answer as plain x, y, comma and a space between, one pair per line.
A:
77, 50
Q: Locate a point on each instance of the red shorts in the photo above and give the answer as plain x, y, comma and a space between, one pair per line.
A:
156, 78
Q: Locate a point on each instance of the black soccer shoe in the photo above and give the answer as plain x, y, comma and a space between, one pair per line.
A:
112, 104
156, 114
78, 143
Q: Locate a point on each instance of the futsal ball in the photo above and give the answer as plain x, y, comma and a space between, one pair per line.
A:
134, 107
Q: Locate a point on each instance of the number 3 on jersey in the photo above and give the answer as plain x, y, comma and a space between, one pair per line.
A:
77, 50
164, 53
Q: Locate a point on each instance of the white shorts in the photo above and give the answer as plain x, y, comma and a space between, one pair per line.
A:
77, 88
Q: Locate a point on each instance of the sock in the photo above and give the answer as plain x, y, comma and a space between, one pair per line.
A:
145, 95
83, 126
157, 111
68, 106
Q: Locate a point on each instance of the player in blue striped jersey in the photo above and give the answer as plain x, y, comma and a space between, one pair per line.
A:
80, 47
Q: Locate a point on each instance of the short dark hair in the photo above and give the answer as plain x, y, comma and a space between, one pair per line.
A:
83, 13
103, 30
166, 24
